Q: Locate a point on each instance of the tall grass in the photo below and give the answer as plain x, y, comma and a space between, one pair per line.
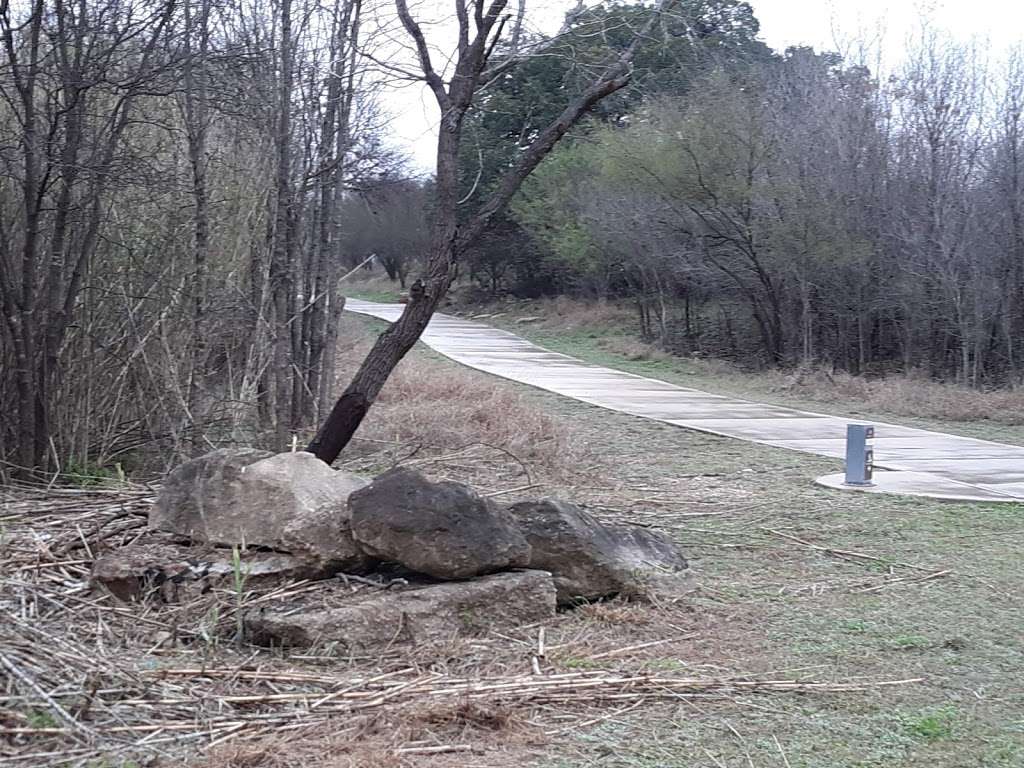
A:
440, 405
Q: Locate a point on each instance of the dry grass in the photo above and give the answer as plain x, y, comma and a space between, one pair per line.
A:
87, 678
573, 315
430, 407
911, 395
430, 735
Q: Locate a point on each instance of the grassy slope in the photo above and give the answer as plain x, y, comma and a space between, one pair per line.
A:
771, 606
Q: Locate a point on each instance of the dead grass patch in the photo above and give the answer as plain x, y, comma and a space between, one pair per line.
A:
910, 395
571, 314
634, 350
448, 733
430, 407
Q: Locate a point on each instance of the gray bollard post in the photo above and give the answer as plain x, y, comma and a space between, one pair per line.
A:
859, 455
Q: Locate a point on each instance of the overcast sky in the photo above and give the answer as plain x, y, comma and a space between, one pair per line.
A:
824, 24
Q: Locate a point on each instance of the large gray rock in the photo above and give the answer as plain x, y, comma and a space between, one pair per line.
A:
445, 530
375, 618
166, 572
591, 560
289, 502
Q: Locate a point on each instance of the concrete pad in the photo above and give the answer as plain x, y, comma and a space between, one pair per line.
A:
924, 463
1002, 470
917, 484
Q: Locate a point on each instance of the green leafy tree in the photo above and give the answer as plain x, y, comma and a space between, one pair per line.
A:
699, 35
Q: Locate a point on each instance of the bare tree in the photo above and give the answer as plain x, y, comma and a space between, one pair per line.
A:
197, 48
63, 70
474, 68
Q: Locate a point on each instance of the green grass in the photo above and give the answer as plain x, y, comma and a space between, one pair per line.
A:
795, 608
39, 718
768, 604
91, 475
374, 289
933, 725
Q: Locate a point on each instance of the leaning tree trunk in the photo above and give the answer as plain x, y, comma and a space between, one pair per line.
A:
449, 239
351, 408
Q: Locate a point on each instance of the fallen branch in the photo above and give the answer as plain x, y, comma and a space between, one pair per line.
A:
905, 580
843, 554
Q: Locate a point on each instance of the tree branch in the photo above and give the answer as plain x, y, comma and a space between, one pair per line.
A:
615, 77
433, 79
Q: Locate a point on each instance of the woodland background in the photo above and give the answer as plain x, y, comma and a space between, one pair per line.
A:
183, 184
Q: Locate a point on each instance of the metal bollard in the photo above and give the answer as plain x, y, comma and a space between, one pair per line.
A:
859, 455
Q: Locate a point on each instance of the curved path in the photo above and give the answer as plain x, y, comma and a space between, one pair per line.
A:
920, 462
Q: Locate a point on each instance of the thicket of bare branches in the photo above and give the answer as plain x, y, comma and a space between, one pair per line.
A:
171, 185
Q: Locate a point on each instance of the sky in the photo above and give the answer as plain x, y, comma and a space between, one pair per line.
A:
824, 24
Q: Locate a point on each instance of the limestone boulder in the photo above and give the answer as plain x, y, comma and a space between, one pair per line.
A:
445, 530
591, 560
289, 502
376, 618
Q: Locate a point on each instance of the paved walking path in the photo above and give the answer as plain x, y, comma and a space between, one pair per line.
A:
920, 462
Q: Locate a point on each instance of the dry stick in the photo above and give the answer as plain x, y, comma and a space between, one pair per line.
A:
434, 750
636, 688
637, 647
594, 721
509, 490
782, 752
343, 691
232, 733
905, 580
580, 683
459, 451
842, 553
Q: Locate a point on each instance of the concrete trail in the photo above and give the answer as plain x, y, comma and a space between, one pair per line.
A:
919, 462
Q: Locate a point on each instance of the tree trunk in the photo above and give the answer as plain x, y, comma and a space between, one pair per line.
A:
196, 129
449, 239
280, 260
351, 408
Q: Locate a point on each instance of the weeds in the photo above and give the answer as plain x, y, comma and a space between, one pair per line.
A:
932, 726
40, 718
89, 475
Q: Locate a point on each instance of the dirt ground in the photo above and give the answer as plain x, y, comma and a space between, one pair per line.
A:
892, 626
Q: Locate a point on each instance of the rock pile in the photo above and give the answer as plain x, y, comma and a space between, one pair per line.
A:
464, 562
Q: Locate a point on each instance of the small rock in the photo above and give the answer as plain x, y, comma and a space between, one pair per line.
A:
416, 615
445, 530
590, 560
289, 502
173, 573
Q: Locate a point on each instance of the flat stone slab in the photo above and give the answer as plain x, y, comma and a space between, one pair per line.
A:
927, 463
373, 619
